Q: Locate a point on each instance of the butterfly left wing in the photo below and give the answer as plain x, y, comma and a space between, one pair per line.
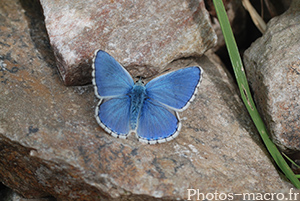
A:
112, 83
113, 116
110, 79
157, 123
175, 89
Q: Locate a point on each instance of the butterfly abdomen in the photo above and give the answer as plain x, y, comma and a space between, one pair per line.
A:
137, 95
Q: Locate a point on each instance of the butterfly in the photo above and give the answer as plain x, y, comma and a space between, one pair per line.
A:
150, 111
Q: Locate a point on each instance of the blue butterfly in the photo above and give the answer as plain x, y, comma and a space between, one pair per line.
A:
151, 110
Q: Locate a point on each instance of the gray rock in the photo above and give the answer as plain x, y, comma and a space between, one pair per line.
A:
273, 68
10, 195
142, 35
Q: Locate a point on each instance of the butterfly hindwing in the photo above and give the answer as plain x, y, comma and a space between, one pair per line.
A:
157, 123
175, 89
110, 79
113, 116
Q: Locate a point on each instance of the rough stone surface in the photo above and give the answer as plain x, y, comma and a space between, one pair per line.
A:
273, 68
51, 144
7, 194
144, 36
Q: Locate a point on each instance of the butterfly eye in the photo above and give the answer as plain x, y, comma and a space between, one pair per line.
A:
140, 80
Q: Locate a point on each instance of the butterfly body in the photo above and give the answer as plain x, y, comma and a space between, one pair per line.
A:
137, 96
151, 110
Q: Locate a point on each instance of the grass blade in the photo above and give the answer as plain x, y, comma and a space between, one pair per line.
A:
246, 95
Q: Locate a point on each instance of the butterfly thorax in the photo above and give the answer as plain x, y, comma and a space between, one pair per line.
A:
137, 95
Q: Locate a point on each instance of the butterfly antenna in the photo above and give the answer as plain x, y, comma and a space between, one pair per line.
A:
153, 75
140, 77
166, 70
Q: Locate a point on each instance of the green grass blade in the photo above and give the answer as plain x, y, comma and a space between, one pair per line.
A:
295, 164
246, 95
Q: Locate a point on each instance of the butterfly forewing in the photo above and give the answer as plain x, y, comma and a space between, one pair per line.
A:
109, 77
175, 89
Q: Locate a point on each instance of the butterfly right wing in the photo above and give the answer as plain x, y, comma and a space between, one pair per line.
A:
110, 79
167, 95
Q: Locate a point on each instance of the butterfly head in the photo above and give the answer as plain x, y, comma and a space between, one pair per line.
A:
140, 81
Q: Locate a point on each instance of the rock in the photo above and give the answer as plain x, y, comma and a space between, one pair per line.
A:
144, 36
7, 194
51, 144
273, 68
